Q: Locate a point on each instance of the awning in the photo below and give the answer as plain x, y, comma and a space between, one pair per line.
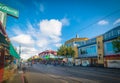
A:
13, 52
3, 39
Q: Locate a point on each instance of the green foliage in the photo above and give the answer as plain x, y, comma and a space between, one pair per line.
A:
66, 51
116, 45
30, 59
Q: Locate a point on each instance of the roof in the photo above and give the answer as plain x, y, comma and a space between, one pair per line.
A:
76, 39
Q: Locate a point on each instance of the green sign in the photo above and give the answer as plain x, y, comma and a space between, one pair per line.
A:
47, 57
9, 10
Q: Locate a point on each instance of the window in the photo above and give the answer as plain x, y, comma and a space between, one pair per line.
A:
119, 32
105, 36
109, 48
99, 56
111, 33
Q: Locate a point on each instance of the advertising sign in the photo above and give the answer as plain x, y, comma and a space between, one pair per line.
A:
113, 63
9, 10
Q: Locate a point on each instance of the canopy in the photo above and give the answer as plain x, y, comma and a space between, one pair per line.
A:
13, 52
3, 39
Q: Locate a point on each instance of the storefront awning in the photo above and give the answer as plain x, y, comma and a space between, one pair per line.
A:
13, 52
3, 39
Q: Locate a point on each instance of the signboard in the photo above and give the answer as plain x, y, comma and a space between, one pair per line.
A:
3, 18
9, 10
113, 63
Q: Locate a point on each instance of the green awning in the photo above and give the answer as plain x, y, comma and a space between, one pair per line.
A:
13, 52
3, 39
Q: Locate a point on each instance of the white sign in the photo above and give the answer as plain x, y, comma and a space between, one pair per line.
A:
113, 63
85, 63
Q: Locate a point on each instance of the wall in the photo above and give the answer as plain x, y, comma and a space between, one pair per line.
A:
100, 48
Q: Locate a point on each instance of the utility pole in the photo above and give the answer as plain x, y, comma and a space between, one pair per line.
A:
19, 61
19, 49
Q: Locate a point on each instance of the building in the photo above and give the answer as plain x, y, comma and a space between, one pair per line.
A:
74, 43
8, 54
111, 59
99, 51
48, 54
4, 50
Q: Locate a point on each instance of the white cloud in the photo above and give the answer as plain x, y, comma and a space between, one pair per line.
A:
103, 22
58, 44
42, 43
65, 22
51, 27
55, 38
34, 40
17, 30
117, 21
23, 39
50, 31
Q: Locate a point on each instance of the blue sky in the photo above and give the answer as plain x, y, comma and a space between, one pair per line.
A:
46, 24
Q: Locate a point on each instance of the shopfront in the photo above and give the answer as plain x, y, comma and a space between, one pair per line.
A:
4, 45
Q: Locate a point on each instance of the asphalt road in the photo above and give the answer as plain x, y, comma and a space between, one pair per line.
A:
40, 73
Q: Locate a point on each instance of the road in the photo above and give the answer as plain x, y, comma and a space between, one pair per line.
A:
40, 73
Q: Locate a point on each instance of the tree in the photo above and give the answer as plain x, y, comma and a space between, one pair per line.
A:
66, 51
116, 45
62, 50
70, 52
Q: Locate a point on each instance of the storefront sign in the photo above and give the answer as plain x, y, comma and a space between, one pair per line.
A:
9, 10
113, 63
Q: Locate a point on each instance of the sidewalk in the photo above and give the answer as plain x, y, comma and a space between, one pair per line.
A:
17, 78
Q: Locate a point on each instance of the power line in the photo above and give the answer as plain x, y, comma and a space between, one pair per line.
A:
83, 28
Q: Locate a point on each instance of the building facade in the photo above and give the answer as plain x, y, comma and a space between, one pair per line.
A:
74, 43
111, 59
100, 51
48, 54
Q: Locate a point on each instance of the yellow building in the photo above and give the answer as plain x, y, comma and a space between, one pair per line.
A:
74, 43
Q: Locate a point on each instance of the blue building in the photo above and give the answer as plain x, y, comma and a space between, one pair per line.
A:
100, 51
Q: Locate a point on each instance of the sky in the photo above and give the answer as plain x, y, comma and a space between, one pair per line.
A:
47, 24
